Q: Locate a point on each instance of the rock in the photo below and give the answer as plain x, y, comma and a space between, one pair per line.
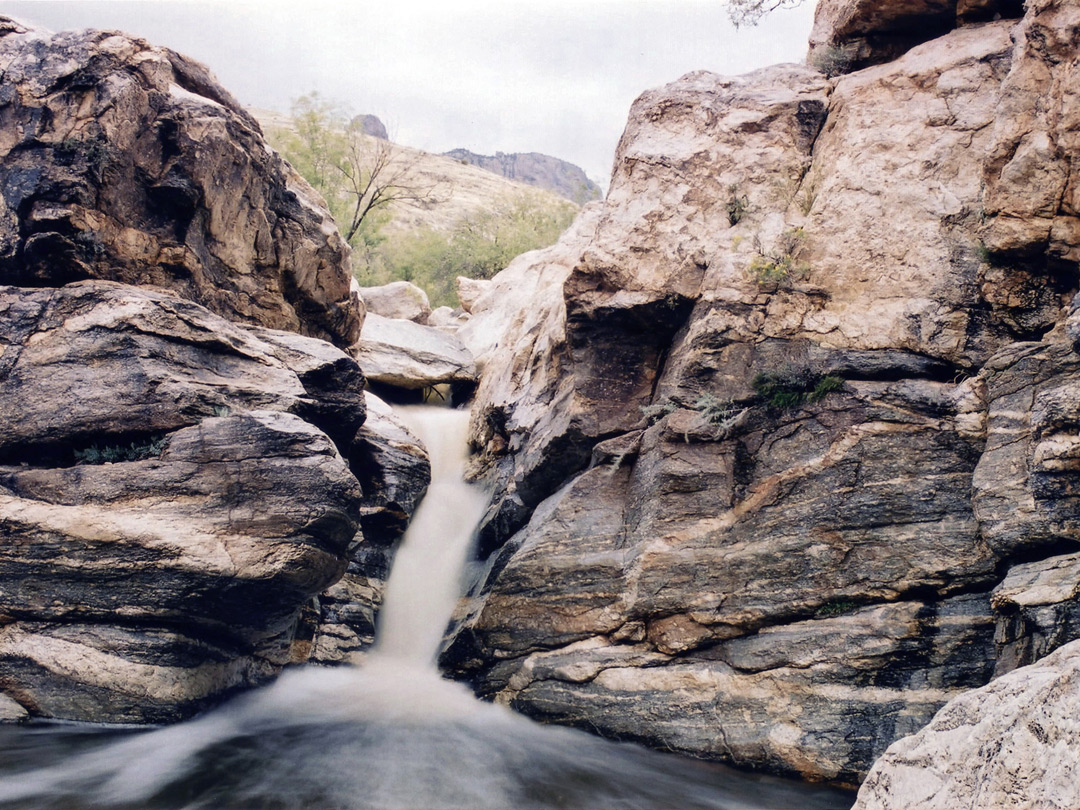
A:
852, 34
394, 471
1023, 486
93, 344
1038, 607
409, 355
601, 305
398, 299
1032, 198
128, 162
535, 169
210, 549
10, 710
774, 429
469, 290
447, 319
1010, 745
159, 555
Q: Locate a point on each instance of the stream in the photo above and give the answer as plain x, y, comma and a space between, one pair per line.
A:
386, 733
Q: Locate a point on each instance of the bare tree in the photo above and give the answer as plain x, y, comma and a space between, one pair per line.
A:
358, 175
750, 12
376, 173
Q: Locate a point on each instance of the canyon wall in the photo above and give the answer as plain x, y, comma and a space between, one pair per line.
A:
783, 433
190, 496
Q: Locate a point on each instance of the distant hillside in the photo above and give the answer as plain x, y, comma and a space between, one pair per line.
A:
452, 219
535, 169
460, 189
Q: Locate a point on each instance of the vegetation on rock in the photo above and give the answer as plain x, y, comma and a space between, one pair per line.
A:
790, 387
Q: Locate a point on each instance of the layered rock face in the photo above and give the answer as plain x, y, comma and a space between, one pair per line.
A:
172, 499
189, 500
782, 433
123, 161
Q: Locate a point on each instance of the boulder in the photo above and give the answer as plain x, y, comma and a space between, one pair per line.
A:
1038, 608
398, 299
125, 161
1011, 745
166, 529
402, 354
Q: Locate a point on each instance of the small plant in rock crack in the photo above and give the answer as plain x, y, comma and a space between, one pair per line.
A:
835, 608
833, 60
134, 451
719, 412
658, 410
781, 264
792, 386
736, 206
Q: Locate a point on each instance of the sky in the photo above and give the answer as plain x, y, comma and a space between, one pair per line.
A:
551, 76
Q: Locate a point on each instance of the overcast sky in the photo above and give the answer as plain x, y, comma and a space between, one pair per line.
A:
552, 76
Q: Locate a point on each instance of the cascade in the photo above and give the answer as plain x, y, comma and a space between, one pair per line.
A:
387, 733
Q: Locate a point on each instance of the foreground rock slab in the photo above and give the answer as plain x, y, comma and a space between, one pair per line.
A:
1012, 745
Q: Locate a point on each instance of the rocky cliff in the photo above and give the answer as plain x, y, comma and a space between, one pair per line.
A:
189, 500
783, 432
128, 162
535, 169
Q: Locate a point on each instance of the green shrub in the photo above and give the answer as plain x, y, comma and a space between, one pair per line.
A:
837, 607
791, 386
658, 410
477, 246
737, 206
134, 451
782, 264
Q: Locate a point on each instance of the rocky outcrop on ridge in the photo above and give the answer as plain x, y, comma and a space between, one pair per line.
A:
535, 169
782, 432
124, 161
174, 493
1010, 745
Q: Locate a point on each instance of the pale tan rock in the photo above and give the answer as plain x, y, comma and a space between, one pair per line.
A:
1011, 745
144, 170
410, 355
1031, 201
398, 299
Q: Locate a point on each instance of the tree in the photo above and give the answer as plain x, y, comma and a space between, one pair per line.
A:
750, 12
358, 175
478, 245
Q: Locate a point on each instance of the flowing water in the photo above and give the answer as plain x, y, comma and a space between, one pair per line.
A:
389, 733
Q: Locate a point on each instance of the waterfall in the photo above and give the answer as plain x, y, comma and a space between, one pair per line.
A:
388, 734
425, 581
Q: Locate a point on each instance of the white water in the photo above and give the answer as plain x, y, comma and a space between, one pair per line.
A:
389, 734
425, 581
